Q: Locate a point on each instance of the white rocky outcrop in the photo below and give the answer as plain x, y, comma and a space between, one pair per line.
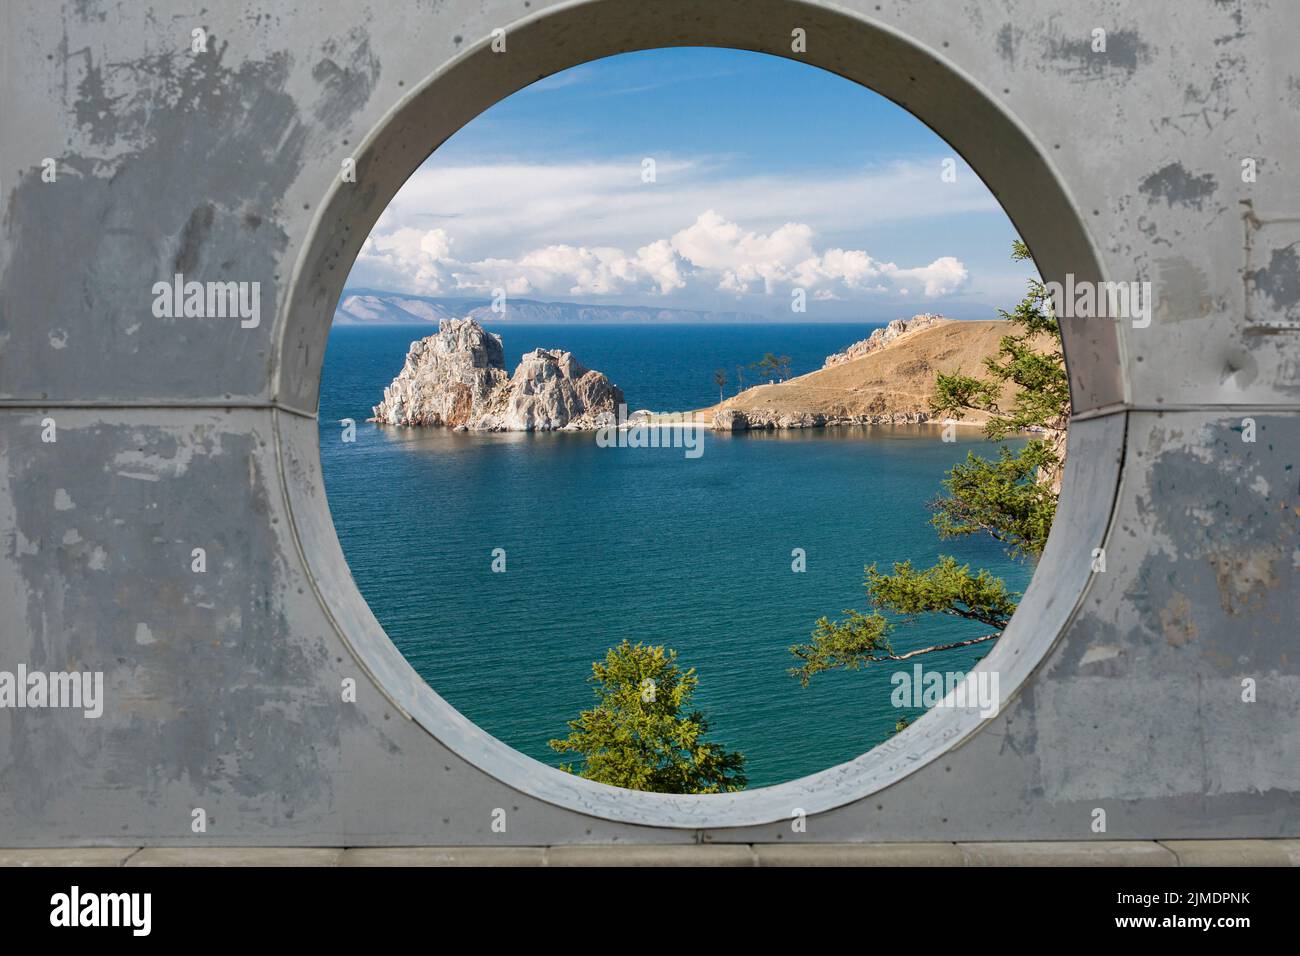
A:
447, 378
550, 390
883, 337
457, 378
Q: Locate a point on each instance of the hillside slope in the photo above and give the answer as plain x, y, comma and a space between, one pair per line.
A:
893, 384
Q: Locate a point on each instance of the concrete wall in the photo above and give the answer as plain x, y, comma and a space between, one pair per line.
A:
223, 688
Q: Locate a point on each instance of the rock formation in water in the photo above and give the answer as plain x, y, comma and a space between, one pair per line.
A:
457, 378
447, 378
550, 390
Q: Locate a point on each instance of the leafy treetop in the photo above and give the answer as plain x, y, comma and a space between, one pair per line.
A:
642, 734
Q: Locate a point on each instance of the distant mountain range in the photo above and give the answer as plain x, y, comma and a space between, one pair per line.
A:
375, 307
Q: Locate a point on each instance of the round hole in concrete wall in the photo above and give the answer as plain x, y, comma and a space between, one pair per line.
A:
502, 564
992, 142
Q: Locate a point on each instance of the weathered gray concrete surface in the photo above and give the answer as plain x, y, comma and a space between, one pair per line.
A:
223, 687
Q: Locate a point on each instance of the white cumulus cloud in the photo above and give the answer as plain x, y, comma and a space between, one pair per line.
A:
712, 254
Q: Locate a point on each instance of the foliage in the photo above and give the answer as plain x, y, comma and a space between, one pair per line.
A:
772, 366
1001, 497
1012, 499
946, 588
642, 734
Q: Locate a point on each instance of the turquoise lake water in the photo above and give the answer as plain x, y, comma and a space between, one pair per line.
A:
604, 544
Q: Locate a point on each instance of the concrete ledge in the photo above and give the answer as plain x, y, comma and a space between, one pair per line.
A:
859, 854
445, 856
87, 856
235, 856
1235, 852
682, 854
1062, 853
1069, 853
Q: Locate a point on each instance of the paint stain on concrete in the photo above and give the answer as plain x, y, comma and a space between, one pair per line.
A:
1125, 52
193, 236
1245, 578
1008, 42
347, 73
1176, 620
1184, 291
1279, 281
1174, 184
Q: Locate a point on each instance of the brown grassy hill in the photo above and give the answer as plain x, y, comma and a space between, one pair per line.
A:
895, 382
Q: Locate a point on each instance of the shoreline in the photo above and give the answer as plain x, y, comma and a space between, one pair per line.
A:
711, 423
720, 418
706, 425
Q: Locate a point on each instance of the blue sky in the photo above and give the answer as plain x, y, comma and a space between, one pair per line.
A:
769, 176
